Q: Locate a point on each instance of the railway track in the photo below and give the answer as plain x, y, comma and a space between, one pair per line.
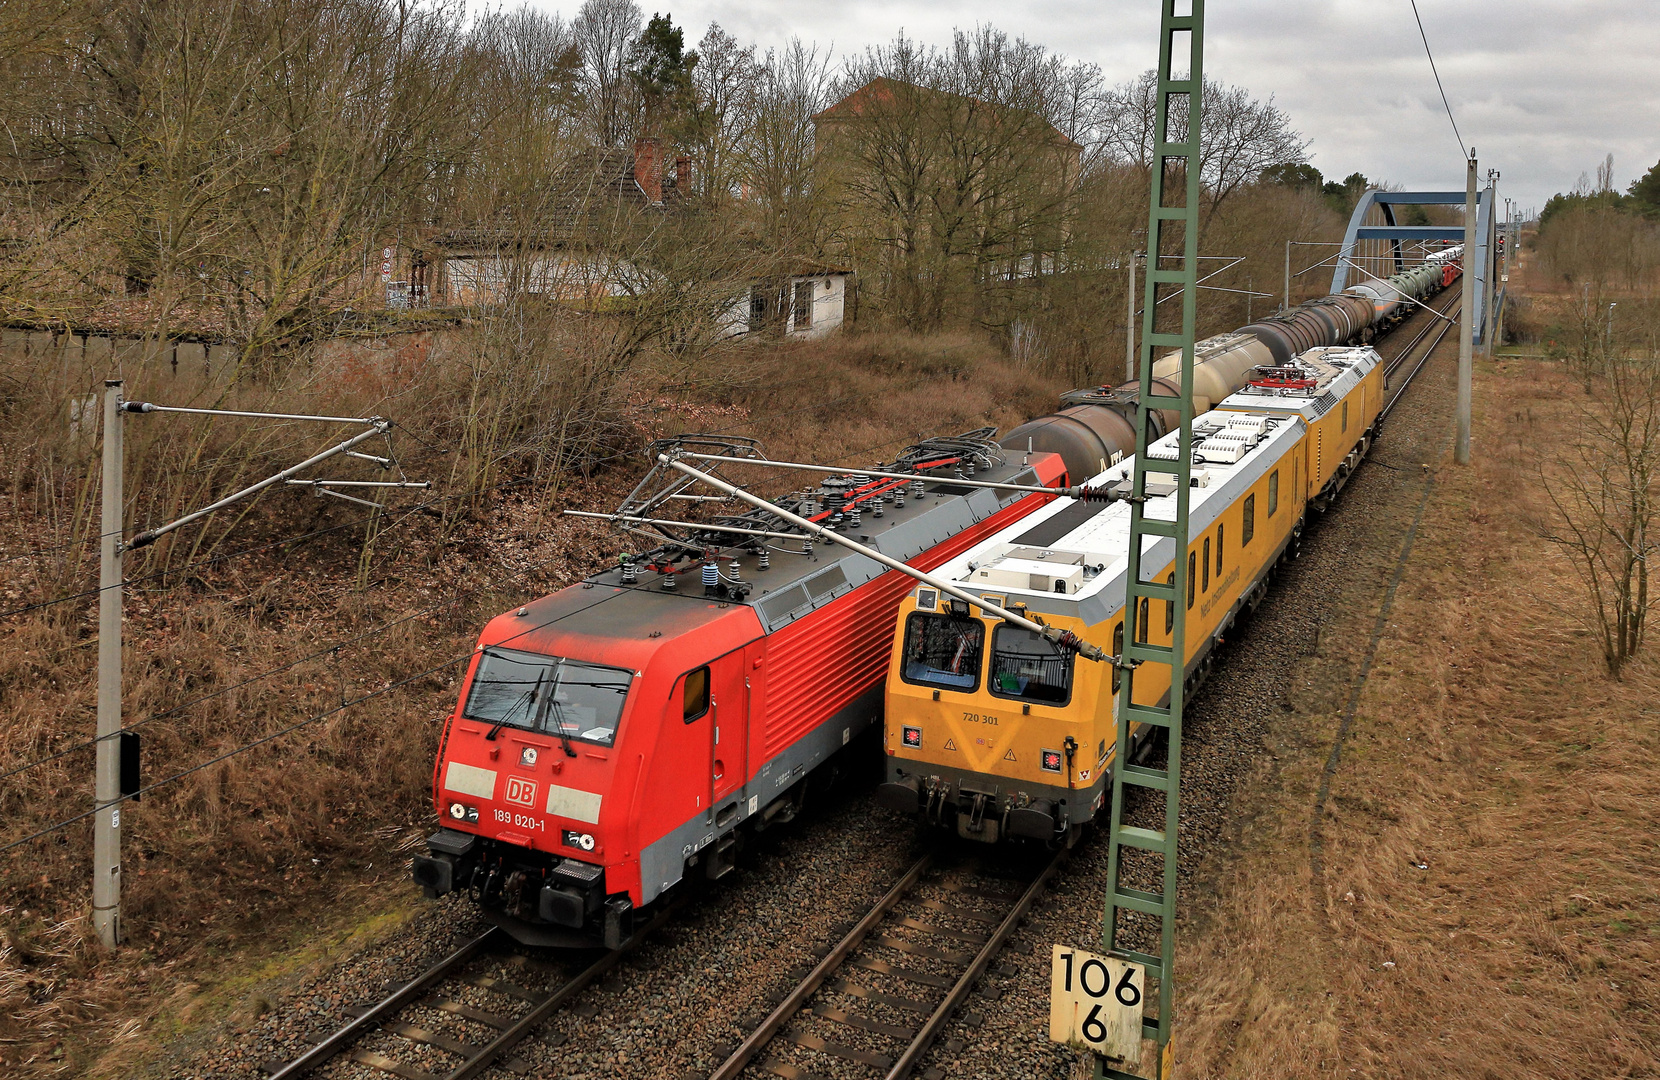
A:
461, 1016
879, 998
1439, 327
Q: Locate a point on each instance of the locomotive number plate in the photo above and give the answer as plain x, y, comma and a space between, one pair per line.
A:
1095, 1004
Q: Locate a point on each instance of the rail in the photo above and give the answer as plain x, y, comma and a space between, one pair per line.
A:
921, 918
1441, 328
453, 968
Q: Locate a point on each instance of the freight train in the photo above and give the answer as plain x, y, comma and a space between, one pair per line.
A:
1095, 426
623, 733
993, 732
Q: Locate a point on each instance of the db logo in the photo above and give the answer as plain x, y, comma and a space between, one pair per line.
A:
913, 737
520, 791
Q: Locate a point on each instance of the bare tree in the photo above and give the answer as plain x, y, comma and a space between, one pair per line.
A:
726, 81
952, 173
605, 32
1604, 503
1243, 136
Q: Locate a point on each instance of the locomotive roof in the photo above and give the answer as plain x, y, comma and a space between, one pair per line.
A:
802, 576
605, 624
1087, 544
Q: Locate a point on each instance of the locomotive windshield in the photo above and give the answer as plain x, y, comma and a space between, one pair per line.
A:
1026, 666
943, 651
565, 698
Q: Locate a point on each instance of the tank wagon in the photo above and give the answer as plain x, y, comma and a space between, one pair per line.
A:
992, 732
1095, 426
624, 732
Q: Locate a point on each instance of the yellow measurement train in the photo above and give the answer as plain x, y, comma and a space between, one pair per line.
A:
997, 734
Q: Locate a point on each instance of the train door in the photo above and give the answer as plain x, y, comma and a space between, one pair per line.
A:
728, 759
679, 789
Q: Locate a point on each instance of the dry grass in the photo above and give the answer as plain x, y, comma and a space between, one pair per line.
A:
235, 864
1490, 750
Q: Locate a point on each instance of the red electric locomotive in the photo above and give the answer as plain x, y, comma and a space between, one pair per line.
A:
613, 736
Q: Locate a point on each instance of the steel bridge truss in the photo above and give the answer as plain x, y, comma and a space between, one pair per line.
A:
1476, 268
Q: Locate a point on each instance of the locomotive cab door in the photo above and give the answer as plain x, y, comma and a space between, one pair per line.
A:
729, 734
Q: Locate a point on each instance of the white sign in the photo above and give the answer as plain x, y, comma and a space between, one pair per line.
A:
1095, 1004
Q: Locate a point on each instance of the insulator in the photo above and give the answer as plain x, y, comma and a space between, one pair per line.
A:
916, 488
733, 574
855, 517
766, 560
668, 581
630, 572
876, 507
711, 575
899, 499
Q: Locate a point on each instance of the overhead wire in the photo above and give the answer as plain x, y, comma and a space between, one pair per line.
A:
1463, 149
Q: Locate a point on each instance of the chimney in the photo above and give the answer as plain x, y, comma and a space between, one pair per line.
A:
648, 168
683, 175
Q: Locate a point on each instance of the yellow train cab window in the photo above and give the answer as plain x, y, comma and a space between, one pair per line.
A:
1248, 520
943, 651
1170, 606
1142, 628
694, 696
1026, 667
1192, 576
1219, 533
1273, 492
1117, 650
1204, 581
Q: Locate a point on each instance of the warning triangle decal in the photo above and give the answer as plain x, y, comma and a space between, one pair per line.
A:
951, 744
1010, 755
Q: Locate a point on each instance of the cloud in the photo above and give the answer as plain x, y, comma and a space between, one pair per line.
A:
1543, 89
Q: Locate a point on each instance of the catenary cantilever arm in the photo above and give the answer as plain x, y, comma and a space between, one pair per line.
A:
1065, 639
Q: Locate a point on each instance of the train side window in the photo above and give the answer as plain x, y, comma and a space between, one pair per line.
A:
1248, 520
1117, 650
1192, 576
1204, 580
695, 695
1170, 606
1273, 492
1142, 627
1219, 530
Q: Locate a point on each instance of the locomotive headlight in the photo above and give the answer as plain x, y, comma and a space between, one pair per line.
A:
462, 812
572, 838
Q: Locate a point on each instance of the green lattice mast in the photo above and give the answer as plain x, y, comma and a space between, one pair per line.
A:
1170, 229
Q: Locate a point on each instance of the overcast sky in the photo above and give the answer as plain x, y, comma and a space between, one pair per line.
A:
1542, 88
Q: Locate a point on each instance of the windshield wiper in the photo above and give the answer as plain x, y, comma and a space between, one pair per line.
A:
559, 718
551, 701
526, 698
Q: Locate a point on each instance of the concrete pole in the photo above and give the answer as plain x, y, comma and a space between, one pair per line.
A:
106, 821
1129, 327
1467, 317
1489, 286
